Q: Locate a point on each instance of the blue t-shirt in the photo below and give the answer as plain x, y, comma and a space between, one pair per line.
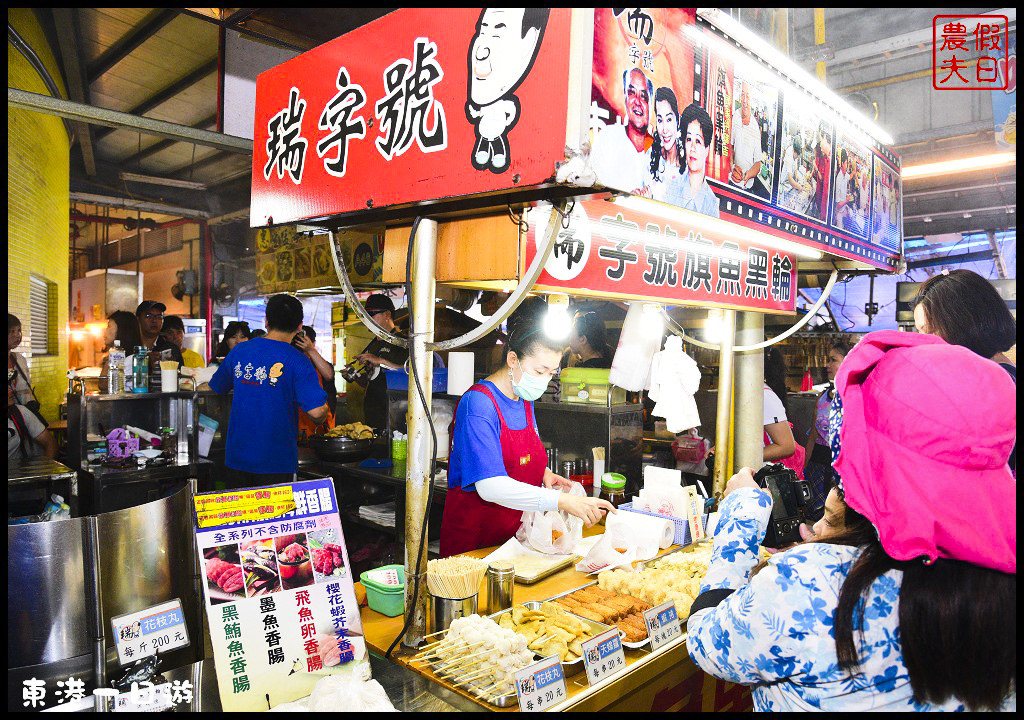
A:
476, 450
271, 380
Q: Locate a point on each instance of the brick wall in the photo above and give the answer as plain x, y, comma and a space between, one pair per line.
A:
37, 207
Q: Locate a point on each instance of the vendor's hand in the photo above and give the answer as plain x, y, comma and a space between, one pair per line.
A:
737, 174
551, 480
369, 358
744, 478
588, 509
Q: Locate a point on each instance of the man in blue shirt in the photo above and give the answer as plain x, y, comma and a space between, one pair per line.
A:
270, 378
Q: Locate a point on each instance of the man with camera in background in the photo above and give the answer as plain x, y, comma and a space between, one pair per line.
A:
270, 378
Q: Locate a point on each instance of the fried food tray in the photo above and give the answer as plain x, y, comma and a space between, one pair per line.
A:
568, 668
622, 637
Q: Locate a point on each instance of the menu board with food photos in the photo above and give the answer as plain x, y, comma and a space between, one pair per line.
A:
289, 261
278, 587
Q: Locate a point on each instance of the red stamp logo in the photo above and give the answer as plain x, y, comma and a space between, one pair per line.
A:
969, 52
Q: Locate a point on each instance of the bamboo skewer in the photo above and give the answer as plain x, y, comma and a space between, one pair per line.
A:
454, 645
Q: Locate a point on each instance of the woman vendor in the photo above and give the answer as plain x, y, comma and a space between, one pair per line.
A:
498, 466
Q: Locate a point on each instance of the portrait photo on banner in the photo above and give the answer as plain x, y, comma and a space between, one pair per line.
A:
643, 77
885, 206
806, 172
851, 183
752, 131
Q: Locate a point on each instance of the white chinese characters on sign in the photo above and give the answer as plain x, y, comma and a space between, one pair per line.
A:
337, 119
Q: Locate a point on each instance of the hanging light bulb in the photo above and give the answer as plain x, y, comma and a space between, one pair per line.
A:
557, 322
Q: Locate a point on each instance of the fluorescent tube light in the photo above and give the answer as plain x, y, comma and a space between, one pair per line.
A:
967, 164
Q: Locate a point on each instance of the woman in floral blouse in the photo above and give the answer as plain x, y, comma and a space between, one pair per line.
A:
906, 600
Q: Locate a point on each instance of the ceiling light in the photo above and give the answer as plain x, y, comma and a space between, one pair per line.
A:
716, 227
967, 216
794, 72
169, 182
947, 167
557, 322
928, 219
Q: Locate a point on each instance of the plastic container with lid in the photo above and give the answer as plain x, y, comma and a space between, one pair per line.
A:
382, 594
589, 385
613, 489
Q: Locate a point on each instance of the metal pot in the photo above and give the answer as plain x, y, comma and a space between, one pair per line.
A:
340, 449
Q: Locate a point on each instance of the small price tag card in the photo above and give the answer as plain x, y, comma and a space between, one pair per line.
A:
541, 685
145, 698
603, 656
663, 626
160, 628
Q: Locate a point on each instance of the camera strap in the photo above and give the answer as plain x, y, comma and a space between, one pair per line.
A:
710, 599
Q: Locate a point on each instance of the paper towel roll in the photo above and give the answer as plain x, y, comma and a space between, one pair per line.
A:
460, 372
647, 530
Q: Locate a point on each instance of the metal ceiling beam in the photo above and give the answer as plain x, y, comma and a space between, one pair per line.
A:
175, 88
248, 31
137, 205
189, 168
66, 22
898, 42
951, 259
150, 26
112, 118
164, 144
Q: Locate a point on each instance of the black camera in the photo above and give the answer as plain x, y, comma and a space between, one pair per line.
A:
790, 497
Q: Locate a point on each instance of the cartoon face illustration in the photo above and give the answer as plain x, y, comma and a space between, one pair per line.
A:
502, 51
276, 371
501, 55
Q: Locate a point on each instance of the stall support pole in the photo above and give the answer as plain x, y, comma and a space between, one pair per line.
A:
723, 420
421, 306
748, 426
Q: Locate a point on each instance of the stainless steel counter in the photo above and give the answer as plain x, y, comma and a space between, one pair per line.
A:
408, 691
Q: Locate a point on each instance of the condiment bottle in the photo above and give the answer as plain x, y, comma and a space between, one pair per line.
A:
501, 575
613, 489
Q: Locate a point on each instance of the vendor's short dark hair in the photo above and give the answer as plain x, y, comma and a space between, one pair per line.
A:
12, 322
692, 112
965, 309
172, 322
284, 313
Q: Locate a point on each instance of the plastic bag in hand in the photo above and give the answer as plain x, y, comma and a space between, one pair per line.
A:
552, 532
613, 550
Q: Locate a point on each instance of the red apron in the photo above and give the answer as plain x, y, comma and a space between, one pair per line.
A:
470, 523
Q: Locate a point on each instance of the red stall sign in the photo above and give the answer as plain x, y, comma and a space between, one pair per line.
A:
420, 105
609, 249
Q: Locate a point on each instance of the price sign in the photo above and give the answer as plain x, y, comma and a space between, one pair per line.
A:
663, 626
160, 628
603, 656
541, 685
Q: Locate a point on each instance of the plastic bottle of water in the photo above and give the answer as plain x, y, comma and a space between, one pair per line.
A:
115, 369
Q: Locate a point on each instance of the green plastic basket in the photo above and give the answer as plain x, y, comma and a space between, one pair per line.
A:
386, 599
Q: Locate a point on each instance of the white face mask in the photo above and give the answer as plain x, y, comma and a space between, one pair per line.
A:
530, 387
